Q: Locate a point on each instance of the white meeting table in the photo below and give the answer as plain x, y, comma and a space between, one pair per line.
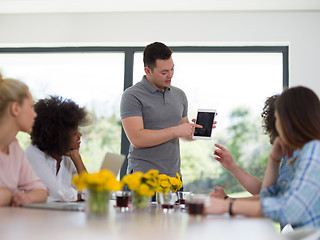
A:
34, 224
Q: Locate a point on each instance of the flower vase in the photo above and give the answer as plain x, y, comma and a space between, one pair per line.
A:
139, 201
98, 202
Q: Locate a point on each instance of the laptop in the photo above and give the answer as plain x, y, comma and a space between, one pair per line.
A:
62, 206
112, 162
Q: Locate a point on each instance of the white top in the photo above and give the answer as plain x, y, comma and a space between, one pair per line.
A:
46, 167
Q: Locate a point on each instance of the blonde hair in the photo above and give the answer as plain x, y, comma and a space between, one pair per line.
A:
11, 90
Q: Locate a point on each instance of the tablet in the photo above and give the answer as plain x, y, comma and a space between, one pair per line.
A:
205, 118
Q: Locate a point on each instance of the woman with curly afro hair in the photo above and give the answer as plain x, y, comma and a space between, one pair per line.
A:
55, 142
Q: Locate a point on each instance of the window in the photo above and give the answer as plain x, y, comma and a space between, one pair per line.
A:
93, 80
236, 83
233, 80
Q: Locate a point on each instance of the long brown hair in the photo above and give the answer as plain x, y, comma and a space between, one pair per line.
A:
299, 112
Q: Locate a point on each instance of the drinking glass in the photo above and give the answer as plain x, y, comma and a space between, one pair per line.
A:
182, 197
167, 201
123, 199
196, 203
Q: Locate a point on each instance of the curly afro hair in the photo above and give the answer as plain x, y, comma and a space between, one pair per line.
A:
268, 119
56, 119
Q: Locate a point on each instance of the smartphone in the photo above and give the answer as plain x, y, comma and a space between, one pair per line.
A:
205, 118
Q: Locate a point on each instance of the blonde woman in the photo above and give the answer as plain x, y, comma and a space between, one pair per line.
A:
18, 183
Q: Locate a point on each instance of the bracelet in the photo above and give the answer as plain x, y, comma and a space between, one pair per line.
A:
230, 206
225, 197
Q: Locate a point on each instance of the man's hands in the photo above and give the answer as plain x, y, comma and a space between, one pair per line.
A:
186, 130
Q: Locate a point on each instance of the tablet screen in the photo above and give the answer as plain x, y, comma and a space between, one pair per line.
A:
205, 119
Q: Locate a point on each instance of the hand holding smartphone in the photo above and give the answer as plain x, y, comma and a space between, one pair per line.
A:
205, 118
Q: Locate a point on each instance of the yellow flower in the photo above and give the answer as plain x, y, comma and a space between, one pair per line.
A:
143, 189
151, 174
112, 185
75, 180
80, 181
143, 183
164, 184
176, 183
150, 182
178, 176
99, 181
162, 177
132, 180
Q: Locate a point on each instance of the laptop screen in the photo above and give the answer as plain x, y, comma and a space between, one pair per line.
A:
112, 162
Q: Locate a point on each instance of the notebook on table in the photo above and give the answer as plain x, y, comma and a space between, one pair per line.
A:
62, 206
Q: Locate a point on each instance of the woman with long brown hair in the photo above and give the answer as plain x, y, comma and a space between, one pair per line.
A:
297, 115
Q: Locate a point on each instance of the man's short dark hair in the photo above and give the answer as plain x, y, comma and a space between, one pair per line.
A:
154, 51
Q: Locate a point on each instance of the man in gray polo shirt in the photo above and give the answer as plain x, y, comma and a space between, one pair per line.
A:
154, 115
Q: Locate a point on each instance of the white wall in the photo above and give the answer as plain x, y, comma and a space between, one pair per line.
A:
299, 30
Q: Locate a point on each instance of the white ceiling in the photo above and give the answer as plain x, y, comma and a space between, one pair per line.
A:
64, 6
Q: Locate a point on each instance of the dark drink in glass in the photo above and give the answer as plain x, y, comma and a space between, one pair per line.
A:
183, 197
195, 208
167, 206
123, 201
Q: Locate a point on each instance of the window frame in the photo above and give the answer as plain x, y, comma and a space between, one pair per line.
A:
129, 64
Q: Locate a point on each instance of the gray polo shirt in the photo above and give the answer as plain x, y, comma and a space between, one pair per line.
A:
159, 110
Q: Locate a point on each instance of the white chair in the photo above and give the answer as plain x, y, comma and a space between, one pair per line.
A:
305, 233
